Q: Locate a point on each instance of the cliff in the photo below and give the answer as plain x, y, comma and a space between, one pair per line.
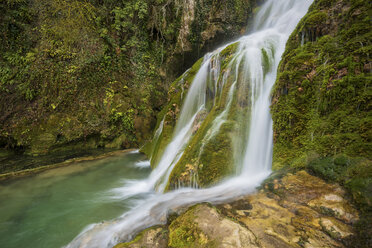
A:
87, 74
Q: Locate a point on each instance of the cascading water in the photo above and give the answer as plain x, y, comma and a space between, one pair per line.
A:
252, 71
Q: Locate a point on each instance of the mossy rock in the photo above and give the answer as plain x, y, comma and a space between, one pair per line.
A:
42, 143
117, 142
320, 105
170, 113
315, 18
153, 237
5, 153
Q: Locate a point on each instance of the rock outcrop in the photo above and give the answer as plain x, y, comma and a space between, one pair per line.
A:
297, 210
320, 102
96, 73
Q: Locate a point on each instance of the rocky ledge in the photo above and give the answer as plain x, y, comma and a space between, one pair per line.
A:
297, 210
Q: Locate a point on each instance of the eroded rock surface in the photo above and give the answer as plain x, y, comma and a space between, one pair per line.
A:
298, 210
155, 237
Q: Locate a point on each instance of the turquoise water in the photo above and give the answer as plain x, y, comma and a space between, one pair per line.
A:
50, 209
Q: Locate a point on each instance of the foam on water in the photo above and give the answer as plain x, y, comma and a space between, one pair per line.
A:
143, 164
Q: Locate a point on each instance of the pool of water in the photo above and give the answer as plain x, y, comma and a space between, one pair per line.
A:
49, 209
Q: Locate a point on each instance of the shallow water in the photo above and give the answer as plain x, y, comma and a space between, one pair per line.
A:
51, 208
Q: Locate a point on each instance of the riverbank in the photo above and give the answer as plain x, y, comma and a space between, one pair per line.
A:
67, 162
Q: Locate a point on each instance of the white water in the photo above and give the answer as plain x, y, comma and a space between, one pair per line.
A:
271, 28
143, 164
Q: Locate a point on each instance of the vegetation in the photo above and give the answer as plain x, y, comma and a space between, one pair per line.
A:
170, 113
184, 232
205, 160
81, 74
93, 73
71, 67
321, 103
322, 95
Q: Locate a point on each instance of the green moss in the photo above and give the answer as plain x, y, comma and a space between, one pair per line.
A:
5, 153
355, 174
230, 49
184, 232
207, 159
320, 102
134, 241
266, 63
213, 149
315, 18
156, 234
228, 55
170, 112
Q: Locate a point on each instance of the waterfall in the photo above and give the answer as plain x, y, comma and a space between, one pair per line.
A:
247, 80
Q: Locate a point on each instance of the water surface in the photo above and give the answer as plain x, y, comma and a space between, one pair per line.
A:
48, 210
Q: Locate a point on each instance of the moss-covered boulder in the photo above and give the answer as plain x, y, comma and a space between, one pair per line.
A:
204, 226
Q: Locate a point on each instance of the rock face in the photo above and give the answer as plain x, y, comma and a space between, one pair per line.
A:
102, 83
298, 210
207, 24
320, 105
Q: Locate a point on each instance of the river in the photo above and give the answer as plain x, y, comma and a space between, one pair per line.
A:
51, 208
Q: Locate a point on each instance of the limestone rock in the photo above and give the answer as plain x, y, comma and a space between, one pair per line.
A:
287, 215
150, 238
209, 228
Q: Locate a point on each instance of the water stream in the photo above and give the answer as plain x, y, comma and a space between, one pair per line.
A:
51, 208
254, 67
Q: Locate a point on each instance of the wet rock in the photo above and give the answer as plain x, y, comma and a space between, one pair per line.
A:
208, 228
298, 210
150, 238
335, 228
42, 143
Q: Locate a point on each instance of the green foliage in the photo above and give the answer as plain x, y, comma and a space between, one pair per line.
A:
322, 94
327, 168
322, 100
92, 61
102, 66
